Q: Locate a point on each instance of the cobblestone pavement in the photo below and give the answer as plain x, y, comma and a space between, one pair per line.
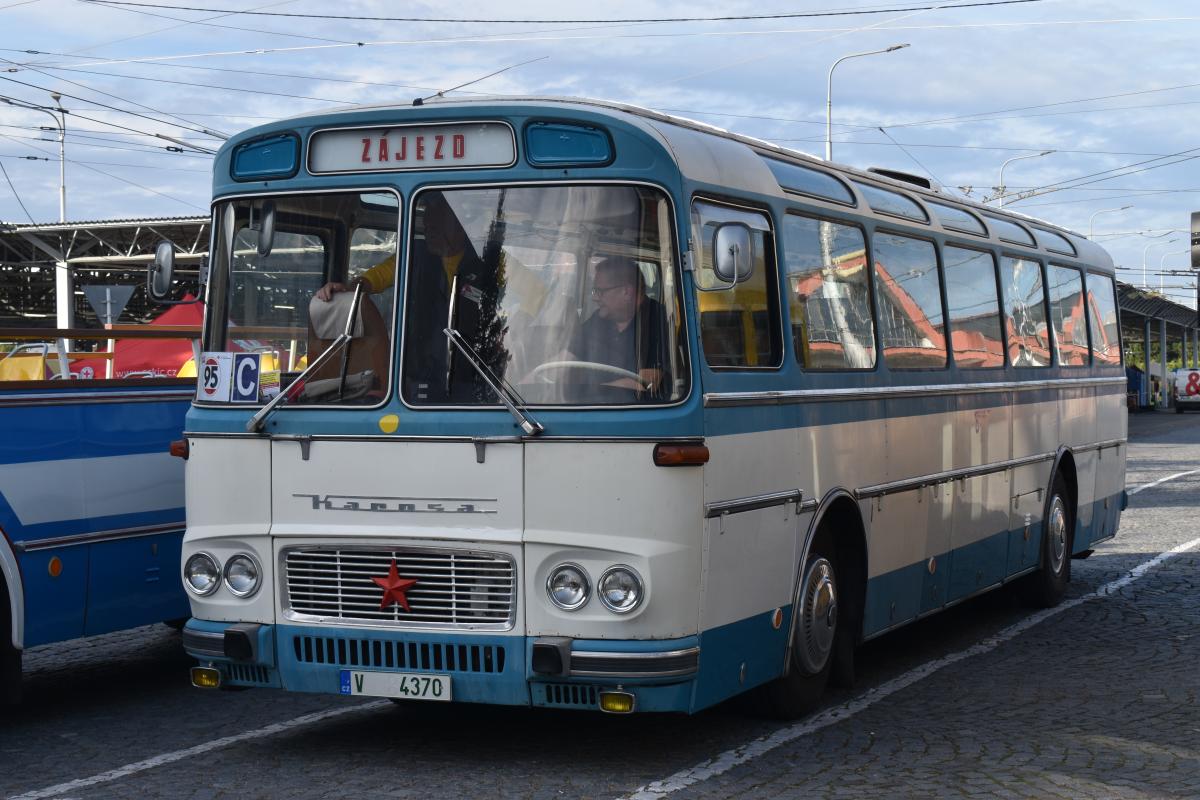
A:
1101, 700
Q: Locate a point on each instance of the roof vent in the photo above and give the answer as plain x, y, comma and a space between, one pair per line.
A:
904, 177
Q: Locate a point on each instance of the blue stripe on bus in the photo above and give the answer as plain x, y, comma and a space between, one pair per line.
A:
88, 430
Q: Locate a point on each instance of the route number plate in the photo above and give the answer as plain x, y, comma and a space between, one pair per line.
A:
405, 685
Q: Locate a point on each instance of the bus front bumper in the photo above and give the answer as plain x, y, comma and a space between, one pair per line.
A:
501, 670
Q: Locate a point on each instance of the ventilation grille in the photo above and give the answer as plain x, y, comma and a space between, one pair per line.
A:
247, 673
569, 695
414, 656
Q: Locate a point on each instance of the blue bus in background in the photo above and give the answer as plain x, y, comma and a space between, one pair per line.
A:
91, 499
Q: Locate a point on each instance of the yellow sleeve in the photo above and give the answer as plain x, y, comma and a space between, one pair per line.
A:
382, 276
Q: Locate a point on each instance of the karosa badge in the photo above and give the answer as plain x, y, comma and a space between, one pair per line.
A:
395, 588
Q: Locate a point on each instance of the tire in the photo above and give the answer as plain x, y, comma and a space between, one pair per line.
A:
1046, 587
10, 657
814, 640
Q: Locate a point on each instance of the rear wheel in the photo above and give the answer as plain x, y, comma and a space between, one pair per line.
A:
10, 657
1045, 588
814, 640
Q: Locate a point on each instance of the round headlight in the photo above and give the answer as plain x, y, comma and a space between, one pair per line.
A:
620, 589
568, 586
242, 575
201, 574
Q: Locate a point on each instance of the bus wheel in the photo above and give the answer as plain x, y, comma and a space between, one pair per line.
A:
1046, 587
10, 663
814, 639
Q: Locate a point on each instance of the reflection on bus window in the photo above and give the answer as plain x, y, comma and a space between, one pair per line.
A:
737, 321
909, 298
1025, 312
568, 293
975, 331
828, 299
1066, 313
1102, 314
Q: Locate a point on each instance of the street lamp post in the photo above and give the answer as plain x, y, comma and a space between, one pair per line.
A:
62, 157
1092, 218
1146, 250
829, 94
1161, 266
1000, 189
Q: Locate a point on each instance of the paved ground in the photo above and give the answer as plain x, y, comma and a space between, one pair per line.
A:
1100, 700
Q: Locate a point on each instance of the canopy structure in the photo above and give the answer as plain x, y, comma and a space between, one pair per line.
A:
1156, 332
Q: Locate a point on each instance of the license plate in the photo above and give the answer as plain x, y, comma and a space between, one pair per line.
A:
406, 685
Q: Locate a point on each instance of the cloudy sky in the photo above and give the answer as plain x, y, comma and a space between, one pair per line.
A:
1111, 86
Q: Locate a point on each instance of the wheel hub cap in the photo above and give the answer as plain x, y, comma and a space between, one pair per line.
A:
817, 618
1058, 534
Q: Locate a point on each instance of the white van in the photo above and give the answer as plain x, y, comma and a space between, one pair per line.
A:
1186, 390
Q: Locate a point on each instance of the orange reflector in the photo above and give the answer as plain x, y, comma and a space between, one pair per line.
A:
180, 448
680, 455
54, 567
206, 677
616, 702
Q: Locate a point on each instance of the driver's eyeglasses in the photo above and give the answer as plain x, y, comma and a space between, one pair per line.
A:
599, 291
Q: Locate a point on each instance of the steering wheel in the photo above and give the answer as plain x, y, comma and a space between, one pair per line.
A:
539, 372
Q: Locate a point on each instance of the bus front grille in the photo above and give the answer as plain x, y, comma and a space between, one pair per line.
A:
452, 589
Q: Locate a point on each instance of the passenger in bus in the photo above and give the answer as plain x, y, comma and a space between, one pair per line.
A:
628, 330
443, 266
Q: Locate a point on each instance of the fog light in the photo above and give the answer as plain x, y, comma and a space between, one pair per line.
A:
206, 677
568, 586
242, 575
620, 589
616, 702
201, 574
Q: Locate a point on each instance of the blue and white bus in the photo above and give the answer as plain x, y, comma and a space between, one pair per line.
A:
91, 499
564, 403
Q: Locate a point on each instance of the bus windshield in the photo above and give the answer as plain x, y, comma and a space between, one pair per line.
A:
567, 293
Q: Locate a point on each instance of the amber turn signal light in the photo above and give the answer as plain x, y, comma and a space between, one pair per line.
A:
680, 455
180, 448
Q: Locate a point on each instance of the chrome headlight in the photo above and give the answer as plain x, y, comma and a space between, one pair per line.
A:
620, 589
568, 586
242, 575
201, 574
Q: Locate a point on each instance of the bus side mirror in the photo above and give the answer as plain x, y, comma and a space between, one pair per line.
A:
732, 253
159, 278
266, 228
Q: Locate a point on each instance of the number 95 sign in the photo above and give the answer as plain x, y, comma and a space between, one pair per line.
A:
228, 377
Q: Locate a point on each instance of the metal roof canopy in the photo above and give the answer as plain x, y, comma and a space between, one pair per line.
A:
101, 244
1152, 305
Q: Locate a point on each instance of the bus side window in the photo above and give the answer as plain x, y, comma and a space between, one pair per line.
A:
738, 312
975, 332
1102, 315
1066, 312
908, 295
1025, 312
828, 296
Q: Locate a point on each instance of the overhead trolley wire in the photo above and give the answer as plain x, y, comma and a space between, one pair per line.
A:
512, 21
15, 193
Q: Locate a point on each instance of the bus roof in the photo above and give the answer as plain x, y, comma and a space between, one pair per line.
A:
708, 152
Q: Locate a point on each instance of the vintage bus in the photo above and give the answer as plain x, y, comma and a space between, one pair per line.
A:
91, 500
607, 409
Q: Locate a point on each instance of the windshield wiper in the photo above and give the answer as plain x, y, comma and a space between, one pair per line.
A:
507, 394
297, 386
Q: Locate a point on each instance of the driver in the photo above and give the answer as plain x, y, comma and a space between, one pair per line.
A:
628, 328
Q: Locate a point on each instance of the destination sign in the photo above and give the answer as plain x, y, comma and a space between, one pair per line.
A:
477, 144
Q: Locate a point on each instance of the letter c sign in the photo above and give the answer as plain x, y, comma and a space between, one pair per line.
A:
245, 377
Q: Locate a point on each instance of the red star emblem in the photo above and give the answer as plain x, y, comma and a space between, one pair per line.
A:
394, 588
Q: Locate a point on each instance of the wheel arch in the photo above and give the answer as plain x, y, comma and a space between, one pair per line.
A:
12, 604
839, 508
1064, 462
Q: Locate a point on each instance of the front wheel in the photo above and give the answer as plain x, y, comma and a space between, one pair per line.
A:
10, 674
1047, 586
814, 637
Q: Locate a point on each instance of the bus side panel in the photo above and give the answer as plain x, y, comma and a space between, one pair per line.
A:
1111, 424
1035, 433
55, 606
980, 538
1077, 425
135, 582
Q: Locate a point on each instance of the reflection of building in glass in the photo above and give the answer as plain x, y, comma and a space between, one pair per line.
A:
975, 340
837, 330
910, 337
